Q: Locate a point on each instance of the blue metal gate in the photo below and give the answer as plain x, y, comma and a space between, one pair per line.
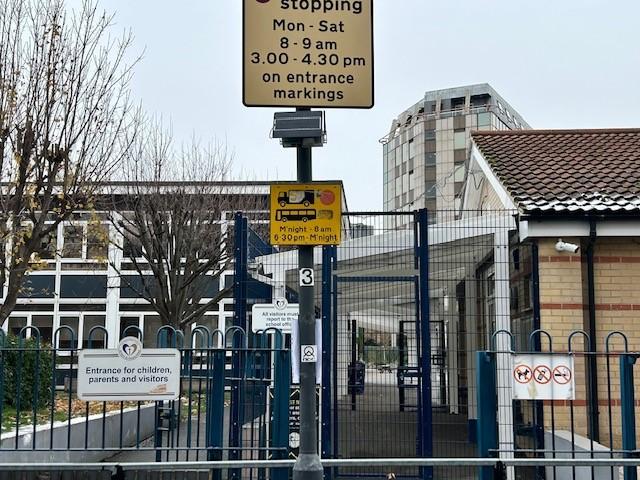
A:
375, 310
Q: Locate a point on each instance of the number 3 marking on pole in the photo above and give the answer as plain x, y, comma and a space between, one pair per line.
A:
306, 277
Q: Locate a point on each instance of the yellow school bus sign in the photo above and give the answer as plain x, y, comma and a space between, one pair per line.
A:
306, 213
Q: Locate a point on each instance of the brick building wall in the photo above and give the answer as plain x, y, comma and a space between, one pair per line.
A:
563, 306
617, 291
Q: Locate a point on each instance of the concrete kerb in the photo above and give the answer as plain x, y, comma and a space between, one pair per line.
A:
90, 427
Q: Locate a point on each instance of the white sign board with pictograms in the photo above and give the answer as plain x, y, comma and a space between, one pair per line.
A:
129, 372
543, 376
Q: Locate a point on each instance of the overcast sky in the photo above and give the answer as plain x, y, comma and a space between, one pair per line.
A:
559, 63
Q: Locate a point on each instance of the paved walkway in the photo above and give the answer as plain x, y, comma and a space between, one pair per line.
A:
180, 438
378, 429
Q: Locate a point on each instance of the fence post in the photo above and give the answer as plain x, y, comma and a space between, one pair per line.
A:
215, 409
239, 320
2, 367
486, 399
162, 340
325, 435
426, 416
627, 404
535, 297
282, 390
334, 363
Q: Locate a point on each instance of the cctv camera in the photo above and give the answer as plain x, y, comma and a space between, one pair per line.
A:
566, 247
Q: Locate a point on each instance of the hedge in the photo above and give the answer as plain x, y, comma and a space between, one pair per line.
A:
31, 367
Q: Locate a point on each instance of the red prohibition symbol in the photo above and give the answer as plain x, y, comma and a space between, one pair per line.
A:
542, 374
561, 375
522, 373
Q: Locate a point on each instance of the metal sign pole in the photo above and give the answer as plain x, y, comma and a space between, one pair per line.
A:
308, 466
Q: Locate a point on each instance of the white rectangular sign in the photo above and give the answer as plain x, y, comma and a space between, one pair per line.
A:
296, 350
541, 376
103, 375
308, 353
280, 315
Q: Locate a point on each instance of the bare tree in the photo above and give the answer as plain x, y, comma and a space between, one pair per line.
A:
172, 224
65, 121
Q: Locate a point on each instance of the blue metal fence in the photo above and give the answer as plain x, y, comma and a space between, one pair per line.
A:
52, 421
373, 408
563, 425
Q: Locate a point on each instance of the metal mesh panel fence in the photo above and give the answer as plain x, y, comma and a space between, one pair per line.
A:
376, 341
471, 269
402, 305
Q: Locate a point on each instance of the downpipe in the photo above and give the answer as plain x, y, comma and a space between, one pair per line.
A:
590, 327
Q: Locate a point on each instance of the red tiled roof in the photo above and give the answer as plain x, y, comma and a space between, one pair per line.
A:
566, 170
